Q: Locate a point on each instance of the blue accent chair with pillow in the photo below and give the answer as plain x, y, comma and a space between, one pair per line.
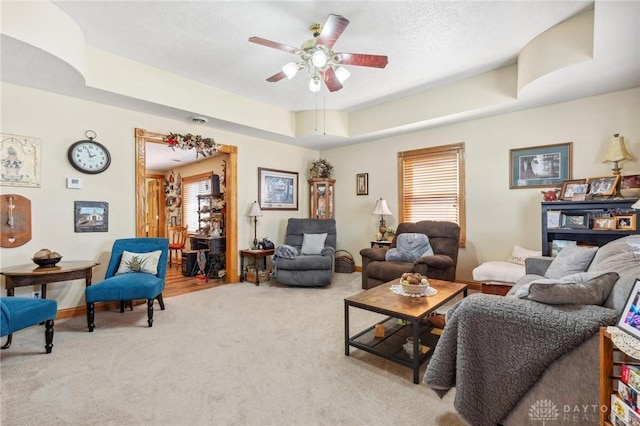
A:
136, 270
443, 237
23, 312
315, 242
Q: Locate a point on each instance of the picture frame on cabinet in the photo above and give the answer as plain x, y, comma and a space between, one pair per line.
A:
603, 185
604, 223
362, 184
629, 320
553, 219
572, 187
277, 189
578, 220
626, 222
540, 166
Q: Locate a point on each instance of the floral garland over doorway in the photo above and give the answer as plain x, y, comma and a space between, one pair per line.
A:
203, 146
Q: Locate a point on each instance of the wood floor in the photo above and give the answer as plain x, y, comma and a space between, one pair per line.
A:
177, 284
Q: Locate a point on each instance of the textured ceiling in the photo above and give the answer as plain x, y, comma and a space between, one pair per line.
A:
429, 44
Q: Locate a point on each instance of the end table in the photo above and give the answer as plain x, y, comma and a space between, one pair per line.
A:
383, 243
256, 255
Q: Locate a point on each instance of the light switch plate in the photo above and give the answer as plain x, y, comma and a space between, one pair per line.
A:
74, 183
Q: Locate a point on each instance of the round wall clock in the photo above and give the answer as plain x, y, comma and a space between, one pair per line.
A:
89, 156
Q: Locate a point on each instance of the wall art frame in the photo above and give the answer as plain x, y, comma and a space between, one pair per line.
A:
362, 184
20, 160
277, 189
91, 216
540, 166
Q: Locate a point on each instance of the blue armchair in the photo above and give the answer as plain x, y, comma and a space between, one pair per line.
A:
136, 270
22, 312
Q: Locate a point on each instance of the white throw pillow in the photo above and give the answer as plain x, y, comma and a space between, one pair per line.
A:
519, 254
139, 262
313, 243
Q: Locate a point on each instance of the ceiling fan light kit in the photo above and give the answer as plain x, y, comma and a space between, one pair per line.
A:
318, 57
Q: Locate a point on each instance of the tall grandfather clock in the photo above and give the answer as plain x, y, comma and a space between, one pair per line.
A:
322, 198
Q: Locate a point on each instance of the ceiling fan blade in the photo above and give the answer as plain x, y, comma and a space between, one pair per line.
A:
330, 79
363, 60
276, 77
273, 44
331, 30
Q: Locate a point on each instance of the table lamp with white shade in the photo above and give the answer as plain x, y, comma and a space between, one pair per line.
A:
382, 209
254, 213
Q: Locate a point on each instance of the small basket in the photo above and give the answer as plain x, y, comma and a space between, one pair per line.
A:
345, 263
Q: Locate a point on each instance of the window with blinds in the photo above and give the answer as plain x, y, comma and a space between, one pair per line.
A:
432, 185
193, 186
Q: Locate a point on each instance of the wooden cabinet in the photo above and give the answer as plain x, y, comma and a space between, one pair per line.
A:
575, 220
322, 198
210, 213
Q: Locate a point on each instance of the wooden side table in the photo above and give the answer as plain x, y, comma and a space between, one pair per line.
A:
256, 255
383, 243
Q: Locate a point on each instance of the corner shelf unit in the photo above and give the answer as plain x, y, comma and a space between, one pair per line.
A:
322, 198
585, 234
210, 209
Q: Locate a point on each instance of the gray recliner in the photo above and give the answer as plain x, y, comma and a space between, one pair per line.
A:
307, 270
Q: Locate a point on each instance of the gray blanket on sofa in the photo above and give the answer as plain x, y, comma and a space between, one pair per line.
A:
493, 349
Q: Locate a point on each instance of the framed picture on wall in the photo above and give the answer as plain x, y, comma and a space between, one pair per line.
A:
540, 166
362, 184
277, 189
91, 216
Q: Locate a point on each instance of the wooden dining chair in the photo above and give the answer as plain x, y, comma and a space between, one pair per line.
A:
177, 240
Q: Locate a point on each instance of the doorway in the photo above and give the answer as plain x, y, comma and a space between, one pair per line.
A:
154, 207
142, 136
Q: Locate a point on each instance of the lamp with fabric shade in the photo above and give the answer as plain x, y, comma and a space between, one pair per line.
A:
254, 213
382, 209
616, 152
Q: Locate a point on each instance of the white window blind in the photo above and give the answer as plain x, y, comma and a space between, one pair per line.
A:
432, 185
193, 186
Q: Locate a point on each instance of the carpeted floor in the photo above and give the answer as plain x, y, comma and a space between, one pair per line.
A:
232, 355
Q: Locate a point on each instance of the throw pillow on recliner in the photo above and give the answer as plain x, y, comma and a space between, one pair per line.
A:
409, 248
313, 243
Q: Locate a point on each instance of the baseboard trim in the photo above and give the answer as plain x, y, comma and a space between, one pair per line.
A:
99, 307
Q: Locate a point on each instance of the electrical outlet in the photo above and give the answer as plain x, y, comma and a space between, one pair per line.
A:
35, 294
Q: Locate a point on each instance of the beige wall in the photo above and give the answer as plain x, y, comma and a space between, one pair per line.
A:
497, 217
59, 121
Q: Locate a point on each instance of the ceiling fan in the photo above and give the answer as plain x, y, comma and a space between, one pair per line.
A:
318, 57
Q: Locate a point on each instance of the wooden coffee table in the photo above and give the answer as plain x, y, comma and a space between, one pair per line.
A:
405, 315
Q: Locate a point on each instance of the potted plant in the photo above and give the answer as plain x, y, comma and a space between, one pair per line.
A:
321, 169
390, 234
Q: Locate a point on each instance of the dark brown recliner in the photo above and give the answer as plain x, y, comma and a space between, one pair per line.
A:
444, 238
